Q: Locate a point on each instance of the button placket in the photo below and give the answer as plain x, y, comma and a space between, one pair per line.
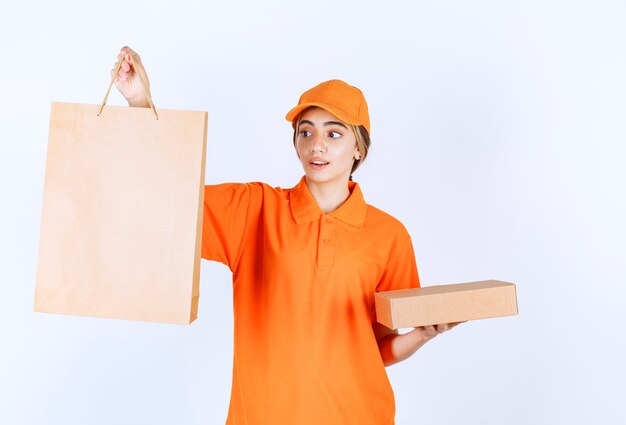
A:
326, 243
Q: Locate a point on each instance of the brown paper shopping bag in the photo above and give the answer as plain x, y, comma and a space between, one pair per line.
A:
122, 213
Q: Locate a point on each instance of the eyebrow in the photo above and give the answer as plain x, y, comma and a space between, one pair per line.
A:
327, 123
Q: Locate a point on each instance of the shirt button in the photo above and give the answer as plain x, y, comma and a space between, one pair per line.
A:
329, 220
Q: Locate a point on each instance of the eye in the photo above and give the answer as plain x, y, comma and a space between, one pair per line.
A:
305, 133
334, 134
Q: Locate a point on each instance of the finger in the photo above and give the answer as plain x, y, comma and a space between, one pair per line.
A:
128, 54
124, 70
125, 50
136, 57
120, 75
442, 327
430, 331
124, 67
122, 54
132, 57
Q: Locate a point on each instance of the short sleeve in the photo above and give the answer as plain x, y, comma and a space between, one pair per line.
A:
224, 221
401, 270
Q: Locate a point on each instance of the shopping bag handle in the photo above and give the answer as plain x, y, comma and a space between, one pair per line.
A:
143, 83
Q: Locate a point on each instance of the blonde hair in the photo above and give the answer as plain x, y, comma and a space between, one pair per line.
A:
361, 136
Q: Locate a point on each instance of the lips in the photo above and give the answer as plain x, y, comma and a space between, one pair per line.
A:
318, 163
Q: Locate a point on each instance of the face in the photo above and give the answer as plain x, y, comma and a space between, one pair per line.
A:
326, 147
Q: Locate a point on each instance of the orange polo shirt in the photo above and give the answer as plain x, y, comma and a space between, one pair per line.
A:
304, 284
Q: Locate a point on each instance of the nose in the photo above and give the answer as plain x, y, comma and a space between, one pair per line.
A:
317, 145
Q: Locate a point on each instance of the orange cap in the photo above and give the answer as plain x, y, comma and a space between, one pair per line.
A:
344, 101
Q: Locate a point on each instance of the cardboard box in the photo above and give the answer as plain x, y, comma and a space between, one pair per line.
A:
433, 305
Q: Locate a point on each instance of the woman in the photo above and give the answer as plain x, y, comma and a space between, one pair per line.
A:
306, 263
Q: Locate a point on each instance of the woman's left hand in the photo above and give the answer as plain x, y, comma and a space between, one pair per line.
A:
395, 347
431, 331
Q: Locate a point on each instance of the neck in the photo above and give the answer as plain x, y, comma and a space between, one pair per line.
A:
329, 196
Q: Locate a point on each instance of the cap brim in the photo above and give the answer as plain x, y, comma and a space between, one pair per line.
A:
342, 115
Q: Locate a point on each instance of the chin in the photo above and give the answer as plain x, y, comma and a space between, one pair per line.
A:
323, 178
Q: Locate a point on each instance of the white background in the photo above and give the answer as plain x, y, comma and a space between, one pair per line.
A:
498, 139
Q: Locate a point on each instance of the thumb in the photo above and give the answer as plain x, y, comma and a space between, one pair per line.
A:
136, 66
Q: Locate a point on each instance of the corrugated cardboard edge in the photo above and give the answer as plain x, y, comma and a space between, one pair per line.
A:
384, 300
383, 309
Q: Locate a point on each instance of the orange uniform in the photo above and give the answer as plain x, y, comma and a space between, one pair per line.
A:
304, 284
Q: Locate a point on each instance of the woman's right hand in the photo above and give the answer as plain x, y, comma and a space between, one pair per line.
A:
128, 81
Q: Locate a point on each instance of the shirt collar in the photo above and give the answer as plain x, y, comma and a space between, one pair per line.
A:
305, 209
